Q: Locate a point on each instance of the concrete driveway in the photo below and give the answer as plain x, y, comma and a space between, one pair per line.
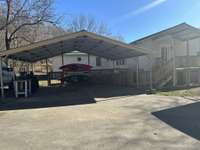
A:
113, 123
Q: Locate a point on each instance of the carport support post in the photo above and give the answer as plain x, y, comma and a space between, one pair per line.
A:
174, 63
32, 67
137, 73
188, 64
47, 69
1, 75
150, 58
62, 59
151, 73
113, 64
88, 59
28, 68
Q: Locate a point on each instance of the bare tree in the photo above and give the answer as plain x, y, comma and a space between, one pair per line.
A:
22, 17
37, 33
88, 23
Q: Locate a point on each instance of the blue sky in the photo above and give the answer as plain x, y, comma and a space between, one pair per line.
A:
133, 19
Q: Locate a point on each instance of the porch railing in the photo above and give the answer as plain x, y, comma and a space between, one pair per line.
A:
185, 61
162, 73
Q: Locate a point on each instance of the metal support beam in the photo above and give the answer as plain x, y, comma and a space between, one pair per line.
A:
88, 59
174, 62
113, 64
28, 68
1, 77
62, 59
32, 67
151, 73
47, 69
137, 73
188, 64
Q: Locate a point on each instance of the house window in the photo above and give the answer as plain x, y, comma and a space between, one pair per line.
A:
98, 61
79, 59
164, 54
120, 62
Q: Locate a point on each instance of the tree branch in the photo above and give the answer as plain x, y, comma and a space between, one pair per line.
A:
15, 15
23, 25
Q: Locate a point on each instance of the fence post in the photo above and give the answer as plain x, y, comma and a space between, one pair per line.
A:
1, 75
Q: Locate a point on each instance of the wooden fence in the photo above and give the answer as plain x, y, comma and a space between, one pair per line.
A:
117, 77
121, 77
144, 79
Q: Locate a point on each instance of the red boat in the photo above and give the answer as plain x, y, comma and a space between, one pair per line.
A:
76, 67
73, 73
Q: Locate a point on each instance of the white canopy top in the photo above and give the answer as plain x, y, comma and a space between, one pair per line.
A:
82, 41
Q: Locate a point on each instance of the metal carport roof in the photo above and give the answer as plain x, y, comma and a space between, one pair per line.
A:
82, 41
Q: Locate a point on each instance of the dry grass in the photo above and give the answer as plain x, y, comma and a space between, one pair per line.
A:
191, 92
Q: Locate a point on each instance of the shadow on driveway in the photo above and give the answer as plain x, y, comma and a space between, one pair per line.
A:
48, 97
64, 96
183, 118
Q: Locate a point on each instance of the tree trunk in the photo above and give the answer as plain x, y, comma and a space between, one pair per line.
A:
7, 42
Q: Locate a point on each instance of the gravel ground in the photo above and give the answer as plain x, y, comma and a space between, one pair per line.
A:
111, 123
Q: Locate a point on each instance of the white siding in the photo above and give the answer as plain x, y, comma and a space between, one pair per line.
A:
105, 63
180, 48
68, 59
167, 41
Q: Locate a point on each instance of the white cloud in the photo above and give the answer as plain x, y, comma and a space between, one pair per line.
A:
145, 8
140, 10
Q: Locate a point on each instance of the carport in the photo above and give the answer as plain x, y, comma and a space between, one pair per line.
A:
82, 41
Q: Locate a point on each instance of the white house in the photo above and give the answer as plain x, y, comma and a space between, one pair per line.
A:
174, 58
